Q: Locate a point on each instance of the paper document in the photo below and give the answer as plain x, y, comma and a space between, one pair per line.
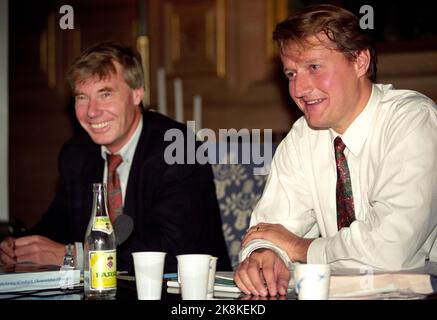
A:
24, 277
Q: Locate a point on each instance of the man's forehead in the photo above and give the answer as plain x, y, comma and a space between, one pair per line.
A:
103, 76
94, 79
309, 46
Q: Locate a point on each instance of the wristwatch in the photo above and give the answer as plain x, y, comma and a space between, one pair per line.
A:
68, 258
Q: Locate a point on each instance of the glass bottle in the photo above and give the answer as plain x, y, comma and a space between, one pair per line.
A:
100, 257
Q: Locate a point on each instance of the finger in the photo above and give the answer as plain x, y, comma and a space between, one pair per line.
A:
283, 278
260, 234
247, 281
258, 227
7, 247
28, 257
246, 275
5, 259
253, 233
246, 239
27, 249
41, 257
238, 278
282, 286
254, 271
28, 240
252, 228
270, 278
262, 226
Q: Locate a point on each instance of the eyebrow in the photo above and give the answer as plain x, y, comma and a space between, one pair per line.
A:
106, 89
309, 61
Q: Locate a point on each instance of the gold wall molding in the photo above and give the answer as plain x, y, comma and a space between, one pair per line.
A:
143, 47
195, 40
221, 38
276, 11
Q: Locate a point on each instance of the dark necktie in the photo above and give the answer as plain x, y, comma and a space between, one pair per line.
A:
345, 199
115, 199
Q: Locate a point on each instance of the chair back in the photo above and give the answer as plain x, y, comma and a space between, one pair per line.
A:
239, 185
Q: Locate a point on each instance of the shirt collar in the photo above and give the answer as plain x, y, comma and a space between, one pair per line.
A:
356, 134
128, 150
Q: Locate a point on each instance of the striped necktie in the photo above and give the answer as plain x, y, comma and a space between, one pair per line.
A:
345, 199
115, 199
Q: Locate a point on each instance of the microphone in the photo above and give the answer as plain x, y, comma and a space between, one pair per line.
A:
123, 226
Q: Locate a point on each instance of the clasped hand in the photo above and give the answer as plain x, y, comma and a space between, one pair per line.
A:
263, 272
36, 249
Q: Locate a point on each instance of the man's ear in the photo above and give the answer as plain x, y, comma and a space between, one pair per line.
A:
138, 95
362, 62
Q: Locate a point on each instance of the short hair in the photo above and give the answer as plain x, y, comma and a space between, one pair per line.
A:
339, 25
98, 60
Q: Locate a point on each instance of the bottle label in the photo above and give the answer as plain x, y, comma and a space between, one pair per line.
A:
103, 269
102, 224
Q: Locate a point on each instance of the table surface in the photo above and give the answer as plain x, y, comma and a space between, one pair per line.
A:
126, 290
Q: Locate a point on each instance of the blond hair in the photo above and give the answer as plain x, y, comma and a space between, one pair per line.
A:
98, 60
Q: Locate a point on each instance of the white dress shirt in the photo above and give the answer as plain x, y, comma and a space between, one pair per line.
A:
392, 158
127, 153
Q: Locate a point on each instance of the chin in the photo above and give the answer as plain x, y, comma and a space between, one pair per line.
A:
317, 125
100, 140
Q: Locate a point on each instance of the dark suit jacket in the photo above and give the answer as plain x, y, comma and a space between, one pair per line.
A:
174, 207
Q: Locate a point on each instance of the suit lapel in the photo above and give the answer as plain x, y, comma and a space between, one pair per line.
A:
92, 173
135, 172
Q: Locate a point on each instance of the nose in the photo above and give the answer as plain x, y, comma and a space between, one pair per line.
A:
301, 86
93, 108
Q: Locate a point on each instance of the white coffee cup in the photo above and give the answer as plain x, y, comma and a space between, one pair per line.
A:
149, 269
312, 281
211, 277
193, 271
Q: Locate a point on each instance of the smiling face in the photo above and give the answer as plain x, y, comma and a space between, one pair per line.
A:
108, 109
330, 90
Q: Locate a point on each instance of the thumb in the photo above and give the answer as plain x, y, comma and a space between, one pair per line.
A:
283, 280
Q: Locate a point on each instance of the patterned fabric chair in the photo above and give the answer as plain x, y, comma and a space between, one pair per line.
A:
238, 188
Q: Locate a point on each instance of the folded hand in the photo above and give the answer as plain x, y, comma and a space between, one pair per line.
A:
295, 247
40, 250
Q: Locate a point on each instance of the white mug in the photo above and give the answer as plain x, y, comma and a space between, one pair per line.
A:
312, 281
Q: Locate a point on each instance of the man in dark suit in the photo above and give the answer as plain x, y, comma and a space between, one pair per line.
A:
173, 207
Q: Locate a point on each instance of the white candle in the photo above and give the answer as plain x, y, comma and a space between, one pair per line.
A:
179, 104
197, 112
162, 94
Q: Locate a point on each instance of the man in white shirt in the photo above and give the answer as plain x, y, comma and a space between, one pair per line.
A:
372, 200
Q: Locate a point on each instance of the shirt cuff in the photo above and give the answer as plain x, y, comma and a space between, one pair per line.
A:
317, 251
264, 244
